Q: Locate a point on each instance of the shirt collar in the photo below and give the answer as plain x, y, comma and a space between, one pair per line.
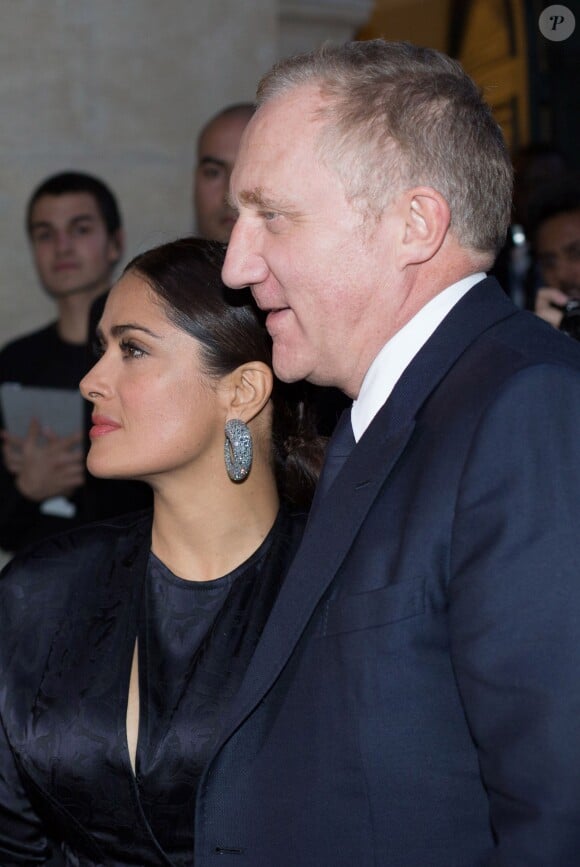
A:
399, 351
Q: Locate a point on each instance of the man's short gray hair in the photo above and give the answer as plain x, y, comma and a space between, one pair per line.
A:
398, 116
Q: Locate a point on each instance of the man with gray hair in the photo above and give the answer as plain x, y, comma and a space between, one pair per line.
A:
414, 699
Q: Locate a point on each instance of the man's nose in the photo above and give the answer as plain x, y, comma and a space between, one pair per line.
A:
244, 264
62, 242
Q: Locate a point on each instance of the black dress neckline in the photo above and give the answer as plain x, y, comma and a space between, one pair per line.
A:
195, 641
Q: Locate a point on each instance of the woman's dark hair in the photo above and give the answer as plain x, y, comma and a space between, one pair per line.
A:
186, 276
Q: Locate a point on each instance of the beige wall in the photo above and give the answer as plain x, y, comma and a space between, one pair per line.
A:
424, 22
119, 88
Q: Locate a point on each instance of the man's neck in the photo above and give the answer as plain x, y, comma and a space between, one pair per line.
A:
73, 315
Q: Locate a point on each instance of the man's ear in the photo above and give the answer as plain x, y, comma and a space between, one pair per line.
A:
116, 246
248, 390
426, 216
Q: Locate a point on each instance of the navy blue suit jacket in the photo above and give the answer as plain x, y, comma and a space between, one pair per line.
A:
415, 698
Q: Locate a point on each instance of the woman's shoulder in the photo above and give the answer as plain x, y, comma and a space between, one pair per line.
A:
75, 554
60, 586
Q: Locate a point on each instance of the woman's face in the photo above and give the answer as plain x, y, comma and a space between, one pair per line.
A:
154, 409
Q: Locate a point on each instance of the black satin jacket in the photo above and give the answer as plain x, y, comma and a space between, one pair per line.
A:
69, 616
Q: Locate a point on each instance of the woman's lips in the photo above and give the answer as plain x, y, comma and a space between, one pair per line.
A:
102, 425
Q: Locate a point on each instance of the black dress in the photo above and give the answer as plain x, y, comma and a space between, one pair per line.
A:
66, 646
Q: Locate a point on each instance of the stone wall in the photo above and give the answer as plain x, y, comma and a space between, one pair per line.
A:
119, 88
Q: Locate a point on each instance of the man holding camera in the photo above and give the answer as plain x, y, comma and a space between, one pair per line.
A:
557, 253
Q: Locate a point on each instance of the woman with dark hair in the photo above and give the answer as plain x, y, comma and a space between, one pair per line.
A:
122, 643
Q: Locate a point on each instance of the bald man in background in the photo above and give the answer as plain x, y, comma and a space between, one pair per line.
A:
217, 149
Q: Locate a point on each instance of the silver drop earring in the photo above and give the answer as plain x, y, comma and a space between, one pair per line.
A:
238, 449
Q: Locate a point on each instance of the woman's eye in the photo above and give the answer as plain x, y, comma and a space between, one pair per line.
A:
130, 350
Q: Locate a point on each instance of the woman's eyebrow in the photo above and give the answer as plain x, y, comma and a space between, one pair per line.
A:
117, 330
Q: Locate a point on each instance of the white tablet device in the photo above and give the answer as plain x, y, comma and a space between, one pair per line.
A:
57, 409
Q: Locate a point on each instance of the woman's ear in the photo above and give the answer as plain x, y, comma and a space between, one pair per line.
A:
249, 390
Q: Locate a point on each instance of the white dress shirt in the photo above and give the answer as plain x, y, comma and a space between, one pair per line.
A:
395, 356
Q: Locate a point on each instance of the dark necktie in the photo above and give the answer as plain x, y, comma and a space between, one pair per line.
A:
339, 448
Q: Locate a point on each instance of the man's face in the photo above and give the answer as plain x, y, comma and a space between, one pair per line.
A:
217, 152
311, 257
72, 249
558, 252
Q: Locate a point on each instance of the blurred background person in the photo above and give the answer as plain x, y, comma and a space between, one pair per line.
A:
76, 238
217, 148
535, 166
556, 251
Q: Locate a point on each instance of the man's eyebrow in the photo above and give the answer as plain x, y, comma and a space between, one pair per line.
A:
40, 224
46, 224
78, 217
259, 199
213, 161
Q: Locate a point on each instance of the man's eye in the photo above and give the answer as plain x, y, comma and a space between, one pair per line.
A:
211, 173
546, 262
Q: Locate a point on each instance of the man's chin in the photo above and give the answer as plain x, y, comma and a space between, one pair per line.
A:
58, 292
286, 372
288, 367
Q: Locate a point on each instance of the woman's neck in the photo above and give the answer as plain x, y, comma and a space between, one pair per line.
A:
205, 536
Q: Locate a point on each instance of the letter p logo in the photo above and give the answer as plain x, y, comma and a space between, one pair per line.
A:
557, 23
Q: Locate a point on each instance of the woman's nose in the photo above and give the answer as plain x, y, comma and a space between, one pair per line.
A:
94, 384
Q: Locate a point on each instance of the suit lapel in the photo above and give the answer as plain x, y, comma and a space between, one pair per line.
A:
333, 529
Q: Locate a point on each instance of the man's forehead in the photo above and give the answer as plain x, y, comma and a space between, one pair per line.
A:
302, 102
284, 125
559, 227
69, 205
